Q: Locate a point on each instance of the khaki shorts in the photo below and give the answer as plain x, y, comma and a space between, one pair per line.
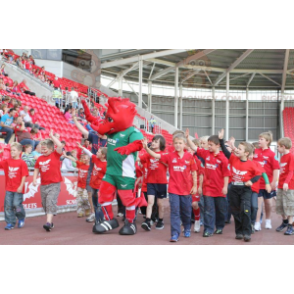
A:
285, 202
49, 195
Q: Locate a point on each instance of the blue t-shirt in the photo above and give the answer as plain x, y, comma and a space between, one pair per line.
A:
7, 120
96, 141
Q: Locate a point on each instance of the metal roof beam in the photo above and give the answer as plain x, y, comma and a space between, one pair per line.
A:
273, 81
162, 73
190, 75
194, 57
208, 77
251, 78
284, 77
238, 77
233, 65
144, 57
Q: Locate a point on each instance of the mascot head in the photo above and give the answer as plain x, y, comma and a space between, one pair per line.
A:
119, 116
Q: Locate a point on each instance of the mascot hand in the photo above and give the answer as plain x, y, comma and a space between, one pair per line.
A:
128, 149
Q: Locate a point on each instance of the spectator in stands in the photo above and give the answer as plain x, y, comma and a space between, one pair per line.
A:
2, 70
25, 89
5, 124
15, 89
28, 66
68, 115
32, 60
56, 83
28, 116
152, 123
67, 163
57, 97
37, 151
28, 157
3, 109
73, 98
2, 85
34, 119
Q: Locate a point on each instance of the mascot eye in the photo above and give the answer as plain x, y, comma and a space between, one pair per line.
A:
110, 119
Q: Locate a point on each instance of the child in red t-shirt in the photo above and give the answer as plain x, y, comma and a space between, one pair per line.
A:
285, 195
156, 182
83, 205
48, 165
244, 173
267, 158
215, 185
16, 171
180, 165
99, 169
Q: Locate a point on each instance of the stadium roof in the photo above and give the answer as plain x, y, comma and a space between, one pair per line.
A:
258, 69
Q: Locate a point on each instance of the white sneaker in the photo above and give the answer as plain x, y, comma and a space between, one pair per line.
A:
91, 218
268, 224
197, 226
257, 226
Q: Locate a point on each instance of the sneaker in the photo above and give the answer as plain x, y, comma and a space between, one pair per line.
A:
218, 231
197, 226
105, 226
268, 224
239, 237
257, 226
159, 225
281, 227
247, 238
207, 234
91, 218
174, 238
9, 227
128, 228
290, 230
187, 234
48, 227
120, 214
21, 223
146, 226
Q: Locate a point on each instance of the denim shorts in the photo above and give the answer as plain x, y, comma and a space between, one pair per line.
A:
266, 195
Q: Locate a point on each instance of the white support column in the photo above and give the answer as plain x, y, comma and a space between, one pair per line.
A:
181, 107
140, 81
228, 107
213, 112
176, 96
120, 86
247, 114
281, 114
150, 96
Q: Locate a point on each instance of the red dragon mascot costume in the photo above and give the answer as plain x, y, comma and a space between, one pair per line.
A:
123, 142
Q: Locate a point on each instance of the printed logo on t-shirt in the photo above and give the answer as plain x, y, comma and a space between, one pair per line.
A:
96, 170
207, 158
187, 161
122, 135
179, 168
262, 163
82, 173
265, 157
238, 175
255, 156
12, 172
174, 160
45, 165
112, 141
283, 165
211, 166
218, 161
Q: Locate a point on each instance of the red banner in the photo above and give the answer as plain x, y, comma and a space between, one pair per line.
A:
32, 196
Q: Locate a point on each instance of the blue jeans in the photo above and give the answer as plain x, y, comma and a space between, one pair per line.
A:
29, 142
89, 189
8, 132
215, 209
180, 209
201, 206
97, 207
13, 207
254, 207
75, 105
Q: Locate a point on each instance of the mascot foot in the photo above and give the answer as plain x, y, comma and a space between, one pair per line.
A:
128, 229
105, 226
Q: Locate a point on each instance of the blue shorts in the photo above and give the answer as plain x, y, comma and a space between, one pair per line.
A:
266, 195
158, 190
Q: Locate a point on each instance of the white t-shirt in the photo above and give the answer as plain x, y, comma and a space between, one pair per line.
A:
73, 96
26, 117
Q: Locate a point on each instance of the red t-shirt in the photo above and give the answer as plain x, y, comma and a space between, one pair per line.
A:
199, 172
180, 172
14, 170
82, 176
216, 168
256, 186
268, 161
56, 83
49, 167
287, 165
98, 172
156, 169
242, 171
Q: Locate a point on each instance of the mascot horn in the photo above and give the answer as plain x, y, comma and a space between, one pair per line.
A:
123, 142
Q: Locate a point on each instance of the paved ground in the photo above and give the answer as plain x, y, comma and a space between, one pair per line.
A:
69, 230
